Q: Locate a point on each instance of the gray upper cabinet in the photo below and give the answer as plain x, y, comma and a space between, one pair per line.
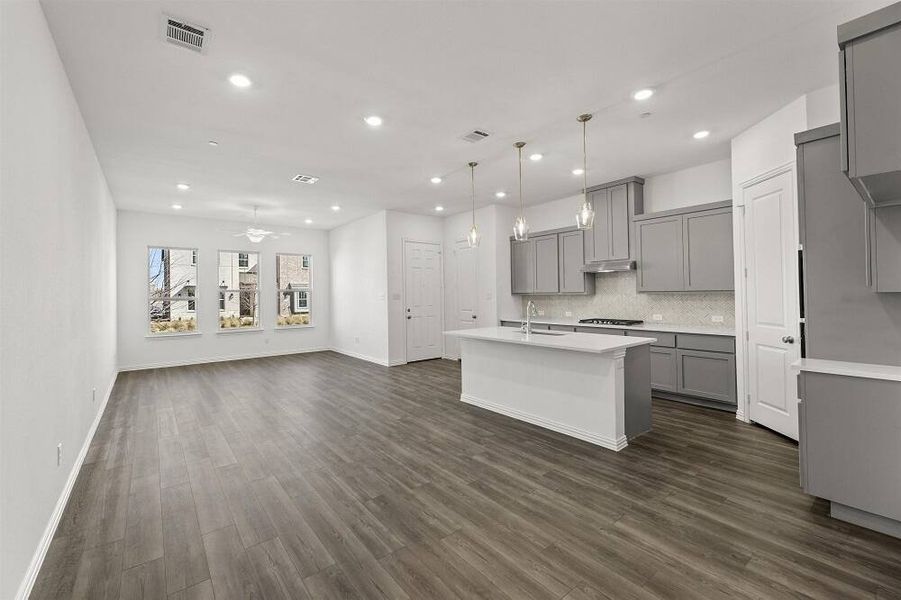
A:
708, 250
522, 267
550, 262
546, 265
870, 84
571, 254
660, 254
615, 204
686, 250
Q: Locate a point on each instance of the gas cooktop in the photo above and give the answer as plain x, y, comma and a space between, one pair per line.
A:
599, 321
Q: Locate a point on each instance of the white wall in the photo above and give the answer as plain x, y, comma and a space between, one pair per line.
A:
58, 305
710, 182
359, 278
138, 231
823, 106
403, 226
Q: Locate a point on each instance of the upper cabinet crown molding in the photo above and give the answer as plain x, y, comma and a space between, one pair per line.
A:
870, 94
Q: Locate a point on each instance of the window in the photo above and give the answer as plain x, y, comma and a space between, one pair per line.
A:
171, 290
292, 272
239, 301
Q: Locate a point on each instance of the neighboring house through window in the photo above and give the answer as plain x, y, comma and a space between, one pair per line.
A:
239, 301
294, 288
172, 290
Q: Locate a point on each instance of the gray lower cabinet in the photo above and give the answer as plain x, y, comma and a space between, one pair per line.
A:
547, 273
522, 267
686, 250
709, 375
663, 369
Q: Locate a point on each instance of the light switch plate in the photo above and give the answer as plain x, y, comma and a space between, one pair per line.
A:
540, 313
568, 313
717, 318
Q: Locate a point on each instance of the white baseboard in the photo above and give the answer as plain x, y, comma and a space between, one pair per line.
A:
587, 436
37, 560
201, 361
365, 357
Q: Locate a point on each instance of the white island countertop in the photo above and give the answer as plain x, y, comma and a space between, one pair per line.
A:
576, 342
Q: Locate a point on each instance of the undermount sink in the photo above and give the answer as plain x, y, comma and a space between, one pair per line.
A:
549, 332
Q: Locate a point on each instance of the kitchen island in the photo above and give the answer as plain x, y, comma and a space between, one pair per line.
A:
590, 386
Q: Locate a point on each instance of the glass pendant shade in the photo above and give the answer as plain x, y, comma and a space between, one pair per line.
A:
585, 216
520, 229
473, 237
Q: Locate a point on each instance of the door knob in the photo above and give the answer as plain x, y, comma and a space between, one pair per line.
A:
474, 317
409, 317
788, 339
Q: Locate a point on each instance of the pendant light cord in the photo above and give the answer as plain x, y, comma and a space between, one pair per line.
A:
472, 180
585, 159
519, 150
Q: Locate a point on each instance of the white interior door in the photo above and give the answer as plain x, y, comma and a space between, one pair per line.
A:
422, 299
771, 259
466, 292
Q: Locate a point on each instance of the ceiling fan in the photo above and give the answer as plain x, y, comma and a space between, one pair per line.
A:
256, 234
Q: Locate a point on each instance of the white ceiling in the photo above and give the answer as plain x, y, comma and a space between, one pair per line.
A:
433, 71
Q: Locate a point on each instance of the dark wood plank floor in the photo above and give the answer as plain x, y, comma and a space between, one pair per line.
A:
320, 476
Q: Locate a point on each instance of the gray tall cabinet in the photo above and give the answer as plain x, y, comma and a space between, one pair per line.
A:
849, 423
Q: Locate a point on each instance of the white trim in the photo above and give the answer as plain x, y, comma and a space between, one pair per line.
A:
586, 436
201, 361
162, 336
367, 358
290, 327
238, 329
37, 560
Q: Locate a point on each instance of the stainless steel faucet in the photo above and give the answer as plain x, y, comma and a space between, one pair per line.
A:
531, 311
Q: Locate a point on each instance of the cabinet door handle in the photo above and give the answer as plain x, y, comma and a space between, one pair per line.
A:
788, 339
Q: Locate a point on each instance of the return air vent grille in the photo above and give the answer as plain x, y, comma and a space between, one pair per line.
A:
476, 135
305, 179
186, 35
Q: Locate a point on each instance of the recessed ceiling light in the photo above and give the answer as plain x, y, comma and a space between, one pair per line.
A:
700, 135
536, 156
308, 221
336, 208
643, 94
439, 208
500, 194
183, 186
176, 207
213, 143
435, 179
239, 80
373, 121
578, 171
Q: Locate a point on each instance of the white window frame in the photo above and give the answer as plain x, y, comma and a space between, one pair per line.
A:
306, 259
224, 291
187, 299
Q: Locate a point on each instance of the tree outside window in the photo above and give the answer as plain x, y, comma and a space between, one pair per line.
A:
293, 281
239, 305
172, 290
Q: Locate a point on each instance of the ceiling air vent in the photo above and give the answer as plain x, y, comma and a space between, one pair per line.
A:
305, 179
186, 35
476, 135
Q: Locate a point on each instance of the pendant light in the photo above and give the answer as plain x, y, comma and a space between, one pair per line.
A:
473, 237
520, 227
585, 216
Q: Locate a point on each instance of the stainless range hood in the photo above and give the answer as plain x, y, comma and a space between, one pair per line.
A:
609, 266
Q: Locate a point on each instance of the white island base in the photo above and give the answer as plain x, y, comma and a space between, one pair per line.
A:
593, 387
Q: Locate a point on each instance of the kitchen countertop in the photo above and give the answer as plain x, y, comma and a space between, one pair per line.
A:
578, 342
651, 327
849, 369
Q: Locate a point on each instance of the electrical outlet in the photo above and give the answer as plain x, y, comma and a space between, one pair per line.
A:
93, 395
59, 454
717, 318
568, 313
356, 340
540, 313
657, 317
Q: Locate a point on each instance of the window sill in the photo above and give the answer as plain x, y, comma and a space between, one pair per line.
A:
290, 327
240, 330
159, 336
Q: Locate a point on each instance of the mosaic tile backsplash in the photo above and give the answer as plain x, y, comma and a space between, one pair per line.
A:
616, 297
